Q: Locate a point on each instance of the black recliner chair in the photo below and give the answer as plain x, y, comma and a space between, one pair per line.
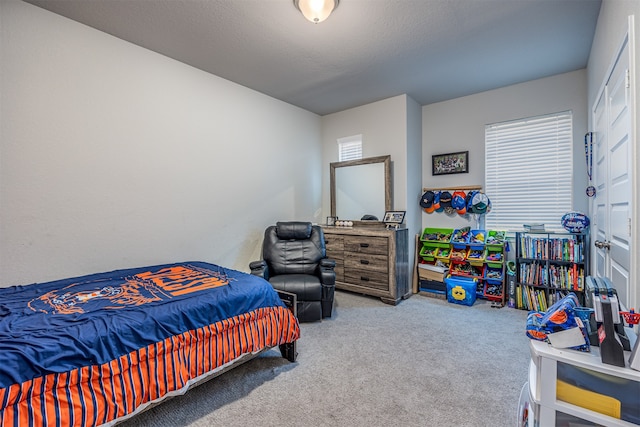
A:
295, 260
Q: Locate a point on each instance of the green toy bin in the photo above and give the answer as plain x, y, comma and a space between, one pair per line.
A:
428, 252
438, 237
494, 256
496, 239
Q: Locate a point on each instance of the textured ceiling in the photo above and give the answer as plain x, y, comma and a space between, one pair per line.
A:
367, 50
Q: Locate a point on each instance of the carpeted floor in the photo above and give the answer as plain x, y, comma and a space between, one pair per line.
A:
424, 362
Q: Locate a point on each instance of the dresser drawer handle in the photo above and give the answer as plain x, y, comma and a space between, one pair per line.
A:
364, 279
364, 245
364, 261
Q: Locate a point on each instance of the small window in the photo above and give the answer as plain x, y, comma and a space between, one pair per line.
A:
528, 171
350, 148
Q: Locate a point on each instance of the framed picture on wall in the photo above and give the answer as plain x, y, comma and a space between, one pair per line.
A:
443, 164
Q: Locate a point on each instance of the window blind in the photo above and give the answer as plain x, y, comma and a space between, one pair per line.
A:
350, 148
528, 171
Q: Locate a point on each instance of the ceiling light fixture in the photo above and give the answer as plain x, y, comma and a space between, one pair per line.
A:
316, 10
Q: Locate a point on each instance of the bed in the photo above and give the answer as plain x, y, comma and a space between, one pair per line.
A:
98, 349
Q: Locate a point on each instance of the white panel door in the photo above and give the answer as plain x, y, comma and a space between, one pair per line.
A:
613, 178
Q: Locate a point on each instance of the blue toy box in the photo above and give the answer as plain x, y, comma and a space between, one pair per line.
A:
461, 290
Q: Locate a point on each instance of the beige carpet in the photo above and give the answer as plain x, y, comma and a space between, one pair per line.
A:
424, 362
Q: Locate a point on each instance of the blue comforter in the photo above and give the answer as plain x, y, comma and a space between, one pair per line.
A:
61, 325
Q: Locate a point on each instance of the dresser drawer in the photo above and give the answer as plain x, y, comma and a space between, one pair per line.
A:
333, 242
379, 263
337, 255
367, 278
366, 245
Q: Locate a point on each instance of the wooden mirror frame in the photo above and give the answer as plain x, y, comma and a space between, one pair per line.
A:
386, 160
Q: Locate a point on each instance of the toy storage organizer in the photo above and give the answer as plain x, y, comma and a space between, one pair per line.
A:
477, 255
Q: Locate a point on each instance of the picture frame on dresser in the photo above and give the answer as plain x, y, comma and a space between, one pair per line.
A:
394, 217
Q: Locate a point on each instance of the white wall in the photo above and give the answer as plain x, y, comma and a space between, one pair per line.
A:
458, 125
414, 176
113, 156
390, 126
386, 127
383, 128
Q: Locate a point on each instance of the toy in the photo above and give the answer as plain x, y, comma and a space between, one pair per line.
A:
443, 253
496, 237
458, 254
494, 274
436, 237
477, 238
631, 317
560, 317
475, 254
429, 251
497, 256
461, 235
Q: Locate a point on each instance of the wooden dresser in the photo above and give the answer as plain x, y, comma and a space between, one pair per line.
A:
370, 260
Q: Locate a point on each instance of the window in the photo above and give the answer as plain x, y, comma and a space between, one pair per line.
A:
528, 171
350, 148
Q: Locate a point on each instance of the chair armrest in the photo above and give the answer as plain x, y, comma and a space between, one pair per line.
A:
327, 263
327, 273
259, 268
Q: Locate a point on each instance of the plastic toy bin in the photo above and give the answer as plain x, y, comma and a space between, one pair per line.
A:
458, 254
466, 269
493, 275
460, 238
493, 283
475, 256
477, 239
437, 237
496, 238
428, 252
443, 254
494, 256
461, 290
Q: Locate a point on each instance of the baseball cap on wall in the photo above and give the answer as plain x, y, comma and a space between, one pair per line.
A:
436, 200
458, 202
479, 203
445, 199
426, 201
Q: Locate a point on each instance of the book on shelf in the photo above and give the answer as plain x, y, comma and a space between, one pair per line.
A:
533, 228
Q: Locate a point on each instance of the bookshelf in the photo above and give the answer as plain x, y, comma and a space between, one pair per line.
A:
549, 265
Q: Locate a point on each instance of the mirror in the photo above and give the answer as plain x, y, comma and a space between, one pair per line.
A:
361, 187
